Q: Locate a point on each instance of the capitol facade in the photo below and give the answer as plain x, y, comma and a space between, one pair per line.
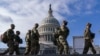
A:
46, 30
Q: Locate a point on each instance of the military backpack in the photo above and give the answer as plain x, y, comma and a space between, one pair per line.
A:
4, 37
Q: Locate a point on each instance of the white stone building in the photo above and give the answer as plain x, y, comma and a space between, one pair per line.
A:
46, 30
47, 27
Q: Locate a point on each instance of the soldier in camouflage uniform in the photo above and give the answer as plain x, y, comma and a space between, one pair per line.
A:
35, 47
64, 32
10, 43
17, 42
15, 46
56, 37
28, 42
88, 40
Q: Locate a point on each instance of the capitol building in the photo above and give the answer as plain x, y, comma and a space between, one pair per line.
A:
46, 30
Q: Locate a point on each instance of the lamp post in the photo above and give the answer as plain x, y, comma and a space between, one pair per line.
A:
99, 45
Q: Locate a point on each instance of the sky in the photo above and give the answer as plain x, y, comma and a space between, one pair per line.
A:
25, 13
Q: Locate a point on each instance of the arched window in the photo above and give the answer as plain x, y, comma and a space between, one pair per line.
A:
51, 37
48, 28
48, 37
51, 29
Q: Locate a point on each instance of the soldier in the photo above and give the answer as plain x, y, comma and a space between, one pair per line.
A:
64, 32
88, 39
10, 42
35, 47
28, 42
16, 44
17, 41
56, 37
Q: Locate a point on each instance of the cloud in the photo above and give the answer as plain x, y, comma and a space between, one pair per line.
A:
5, 19
4, 23
72, 21
82, 6
31, 7
27, 12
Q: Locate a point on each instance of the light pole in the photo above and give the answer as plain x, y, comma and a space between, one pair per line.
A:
99, 44
99, 32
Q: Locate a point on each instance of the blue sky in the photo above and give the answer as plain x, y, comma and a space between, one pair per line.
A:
24, 13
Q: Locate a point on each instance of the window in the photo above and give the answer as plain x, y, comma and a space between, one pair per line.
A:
46, 37
48, 28
52, 29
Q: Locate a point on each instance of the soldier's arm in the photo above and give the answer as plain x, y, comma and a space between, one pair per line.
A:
38, 34
8, 33
87, 33
68, 31
32, 35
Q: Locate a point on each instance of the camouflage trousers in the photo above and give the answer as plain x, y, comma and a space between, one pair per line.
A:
10, 47
88, 44
35, 47
11, 51
63, 46
28, 48
16, 49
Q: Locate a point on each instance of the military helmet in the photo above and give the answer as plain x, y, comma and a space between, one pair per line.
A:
89, 24
65, 22
36, 25
29, 31
17, 32
12, 25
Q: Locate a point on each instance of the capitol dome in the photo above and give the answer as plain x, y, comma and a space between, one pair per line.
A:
50, 20
47, 27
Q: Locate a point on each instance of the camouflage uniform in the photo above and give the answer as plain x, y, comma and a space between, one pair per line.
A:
16, 43
56, 37
10, 43
28, 42
88, 40
35, 47
64, 32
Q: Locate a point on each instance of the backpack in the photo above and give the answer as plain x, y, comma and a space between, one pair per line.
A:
92, 35
4, 38
20, 41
